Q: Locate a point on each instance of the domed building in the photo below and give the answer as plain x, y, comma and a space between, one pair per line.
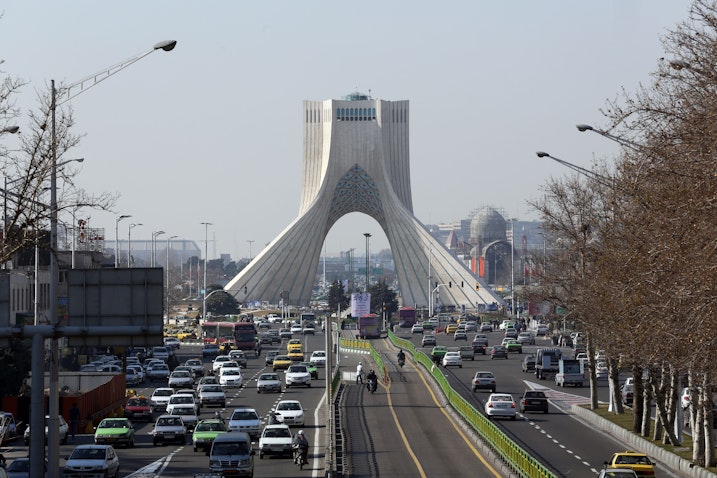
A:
492, 252
488, 225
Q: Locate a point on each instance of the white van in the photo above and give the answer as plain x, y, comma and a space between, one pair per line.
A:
232, 453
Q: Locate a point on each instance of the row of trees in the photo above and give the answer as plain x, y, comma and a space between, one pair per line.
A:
634, 247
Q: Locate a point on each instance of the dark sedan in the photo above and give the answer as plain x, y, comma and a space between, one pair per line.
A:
533, 401
498, 351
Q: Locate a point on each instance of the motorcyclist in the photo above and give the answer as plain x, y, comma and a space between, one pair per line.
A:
401, 356
372, 380
301, 444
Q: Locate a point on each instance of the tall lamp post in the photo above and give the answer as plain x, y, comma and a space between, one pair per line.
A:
154, 246
117, 250
167, 273
368, 261
37, 418
206, 259
250, 241
129, 243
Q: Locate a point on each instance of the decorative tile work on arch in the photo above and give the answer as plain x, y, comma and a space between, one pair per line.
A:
356, 191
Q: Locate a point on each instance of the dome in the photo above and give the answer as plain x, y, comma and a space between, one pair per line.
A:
487, 226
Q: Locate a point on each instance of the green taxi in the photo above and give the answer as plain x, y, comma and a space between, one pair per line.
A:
311, 368
115, 431
438, 352
206, 431
513, 345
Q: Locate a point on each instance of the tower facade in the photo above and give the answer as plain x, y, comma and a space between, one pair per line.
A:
356, 159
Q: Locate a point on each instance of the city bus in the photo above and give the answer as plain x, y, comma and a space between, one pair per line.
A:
244, 335
241, 334
406, 317
369, 326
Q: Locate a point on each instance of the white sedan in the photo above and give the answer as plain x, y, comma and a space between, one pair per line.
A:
417, 329
318, 358
297, 375
230, 377
452, 359
290, 412
500, 405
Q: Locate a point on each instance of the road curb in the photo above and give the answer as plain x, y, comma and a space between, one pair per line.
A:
661, 455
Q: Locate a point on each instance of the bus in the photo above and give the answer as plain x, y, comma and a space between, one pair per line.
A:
241, 334
369, 326
406, 317
244, 335
307, 317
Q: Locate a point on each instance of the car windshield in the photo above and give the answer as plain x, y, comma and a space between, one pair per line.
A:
244, 415
484, 375
289, 406
138, 402
88, 454
297, 369
183, 411
170, 422
212, 388
163, 393
210, 427
239, 448
19, 465
230, 371
277, 433
113, 424
632, 460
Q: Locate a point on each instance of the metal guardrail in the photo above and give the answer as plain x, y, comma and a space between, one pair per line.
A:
515, 457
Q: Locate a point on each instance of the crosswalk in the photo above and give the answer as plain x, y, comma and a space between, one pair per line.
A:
560, 399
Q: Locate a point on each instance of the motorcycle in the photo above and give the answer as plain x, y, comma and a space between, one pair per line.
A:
401, 362
371, 385
299, 458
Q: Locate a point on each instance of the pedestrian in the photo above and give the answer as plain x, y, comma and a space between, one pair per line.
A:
74, 419
359, 373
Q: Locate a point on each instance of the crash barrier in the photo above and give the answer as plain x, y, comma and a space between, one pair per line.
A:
514, 456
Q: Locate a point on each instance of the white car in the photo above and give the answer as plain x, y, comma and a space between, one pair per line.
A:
275, 440
230, 377
296, 329
290, 412
268, 382
196, 366
187, 412
131, 377
180, 378
61, 423
172, 342
297, 375
417, 329
318, 358
211, 395
500, 405
452, 359
158, 371
218, 361
161, 353
169, 428
182, 399
245, 420
160, 398
101, 460
140, 372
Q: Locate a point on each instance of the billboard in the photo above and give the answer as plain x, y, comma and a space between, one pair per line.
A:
116, 297
360, 304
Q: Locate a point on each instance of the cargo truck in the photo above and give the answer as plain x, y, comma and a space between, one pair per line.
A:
570, 372
547, 362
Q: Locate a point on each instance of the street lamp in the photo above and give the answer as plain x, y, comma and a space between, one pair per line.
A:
368, 262
37, 398
167, 273
154, 246
598, 178
621, 141
129, 243
204, 292
117, 250
10, 129
250, 241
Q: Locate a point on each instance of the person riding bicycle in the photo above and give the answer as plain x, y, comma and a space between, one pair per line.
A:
401, 356
301, 444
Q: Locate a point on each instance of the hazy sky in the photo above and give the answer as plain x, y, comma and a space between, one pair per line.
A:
212, 131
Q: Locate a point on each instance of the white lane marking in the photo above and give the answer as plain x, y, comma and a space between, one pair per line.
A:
317, 435
156, 468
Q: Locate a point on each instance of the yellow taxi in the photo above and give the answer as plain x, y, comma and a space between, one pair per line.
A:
451, 328
281, 362
637, 462
296, 355
294, 344
186, 334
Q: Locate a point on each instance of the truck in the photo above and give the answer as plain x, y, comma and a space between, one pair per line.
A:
570, 372
547, 362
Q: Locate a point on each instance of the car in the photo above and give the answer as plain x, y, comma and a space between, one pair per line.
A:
294, 344
417, 329
281, 362
460, 335
533, 401
8, 428
263, 324
115, 430
268, 382
186, 334
451, 329
210, 350
318, 358
528, 363
188, 413
245, 420
640, 463
160, 398
471, 326
626, 392
20, 468
196, 366
452, 359
512, 345
526, 338
480, 344
486, 327
274, 334
483, 380
297, 375
110, 368
296, 355
685, 398
616, 473
138, 408
169, 428
211, 394
428, 325
428, 340
276, 440
500, 405
601, 371
433, 323
239, 357
290, 412
498, 351
308, 330
438, 352
63, 430
285, 333
172, 342
158, 371
161, 353
511, 333
206, 431
270, 355
230, 377
141, 376
182, 399
180, 378
505, 324
541, 330
296, 328
313, 371
100, 459
131, 377
208, 380
218, 361
265, 339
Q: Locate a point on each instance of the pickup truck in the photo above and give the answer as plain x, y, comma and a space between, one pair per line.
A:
438, 352
467, 352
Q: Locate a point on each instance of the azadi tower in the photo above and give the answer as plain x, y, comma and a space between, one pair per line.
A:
356, 160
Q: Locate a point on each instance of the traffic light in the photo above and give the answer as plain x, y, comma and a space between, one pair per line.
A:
449, 284
477, 286
245, 289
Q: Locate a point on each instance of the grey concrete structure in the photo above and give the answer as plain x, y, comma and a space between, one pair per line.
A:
356, 159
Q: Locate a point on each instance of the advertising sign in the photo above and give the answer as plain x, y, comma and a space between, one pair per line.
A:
360, 304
